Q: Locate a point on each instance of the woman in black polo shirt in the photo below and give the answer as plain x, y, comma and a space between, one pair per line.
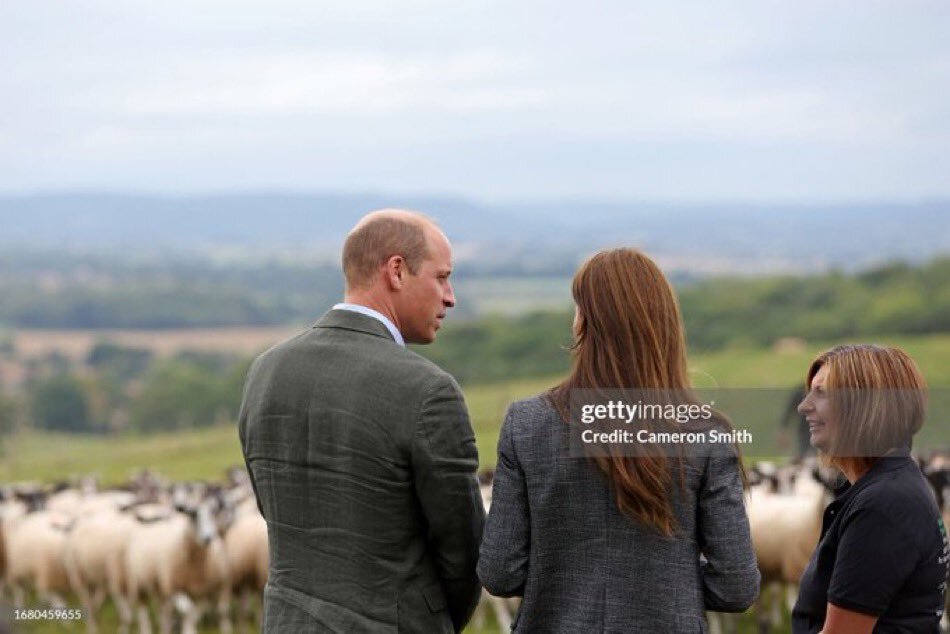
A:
882, 562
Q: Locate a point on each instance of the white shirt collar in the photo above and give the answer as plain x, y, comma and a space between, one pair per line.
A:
375, 314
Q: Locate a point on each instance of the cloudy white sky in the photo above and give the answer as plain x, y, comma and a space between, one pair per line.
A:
754, 100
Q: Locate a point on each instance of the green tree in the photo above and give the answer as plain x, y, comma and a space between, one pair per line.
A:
180, 394
7, 418
61, 404
121, 361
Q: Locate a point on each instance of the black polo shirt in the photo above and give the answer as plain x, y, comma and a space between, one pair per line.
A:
883, 551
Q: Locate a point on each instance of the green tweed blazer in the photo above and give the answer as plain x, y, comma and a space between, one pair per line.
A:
363, 461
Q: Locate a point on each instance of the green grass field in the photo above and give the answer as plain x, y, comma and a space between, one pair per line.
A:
206, 453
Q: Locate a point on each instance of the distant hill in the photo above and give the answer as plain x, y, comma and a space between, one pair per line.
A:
530, 237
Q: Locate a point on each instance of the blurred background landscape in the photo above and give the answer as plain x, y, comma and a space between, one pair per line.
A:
126, 314
128, 322
176, 182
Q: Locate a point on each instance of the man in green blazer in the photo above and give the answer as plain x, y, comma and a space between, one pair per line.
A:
361, 452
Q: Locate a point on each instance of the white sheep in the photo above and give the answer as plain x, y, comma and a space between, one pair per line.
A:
77, 504
248, 556
94, 558
11, 509
34, 546
180, 560
785, 529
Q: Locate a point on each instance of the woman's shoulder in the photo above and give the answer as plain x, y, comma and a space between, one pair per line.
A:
900, 494
539, 403
534, 409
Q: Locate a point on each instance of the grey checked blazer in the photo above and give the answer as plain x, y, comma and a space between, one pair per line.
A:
554, 536
363, 461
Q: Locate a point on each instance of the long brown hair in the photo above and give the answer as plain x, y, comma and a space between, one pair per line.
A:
629, 334
878, 398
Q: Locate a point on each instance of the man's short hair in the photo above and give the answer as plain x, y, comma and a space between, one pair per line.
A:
372, 243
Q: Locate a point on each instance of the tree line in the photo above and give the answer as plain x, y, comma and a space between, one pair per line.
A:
895, 298
97, 292
119, 389
730, 311
127, 389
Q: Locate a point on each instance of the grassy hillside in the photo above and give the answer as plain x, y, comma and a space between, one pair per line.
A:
207, 452
740, 367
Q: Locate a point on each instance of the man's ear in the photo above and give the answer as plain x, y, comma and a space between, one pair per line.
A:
395, 268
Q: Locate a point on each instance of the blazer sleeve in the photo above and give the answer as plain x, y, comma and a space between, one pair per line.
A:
503, 560
244, 419
444, 462
730, 573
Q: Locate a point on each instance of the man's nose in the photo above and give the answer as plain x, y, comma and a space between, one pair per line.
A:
449, 298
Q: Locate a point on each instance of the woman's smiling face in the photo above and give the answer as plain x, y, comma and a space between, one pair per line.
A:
816, 408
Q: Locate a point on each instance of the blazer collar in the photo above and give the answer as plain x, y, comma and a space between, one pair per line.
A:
357, 322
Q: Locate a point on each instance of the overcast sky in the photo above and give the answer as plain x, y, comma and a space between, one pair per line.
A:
495, 100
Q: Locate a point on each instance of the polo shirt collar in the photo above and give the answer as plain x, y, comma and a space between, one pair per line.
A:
894, 460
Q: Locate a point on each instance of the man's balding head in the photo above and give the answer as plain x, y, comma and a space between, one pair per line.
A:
378, 236
398, 262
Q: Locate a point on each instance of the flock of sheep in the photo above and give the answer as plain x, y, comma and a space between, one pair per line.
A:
177, 549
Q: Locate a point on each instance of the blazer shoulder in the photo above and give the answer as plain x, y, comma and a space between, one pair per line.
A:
414, 373
400, 364
539, 404
280, 348
528, 413
418, 366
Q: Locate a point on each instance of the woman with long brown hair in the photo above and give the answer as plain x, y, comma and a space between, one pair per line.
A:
612, 540
882, 562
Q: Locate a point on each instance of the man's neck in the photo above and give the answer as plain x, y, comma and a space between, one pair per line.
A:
369, 301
